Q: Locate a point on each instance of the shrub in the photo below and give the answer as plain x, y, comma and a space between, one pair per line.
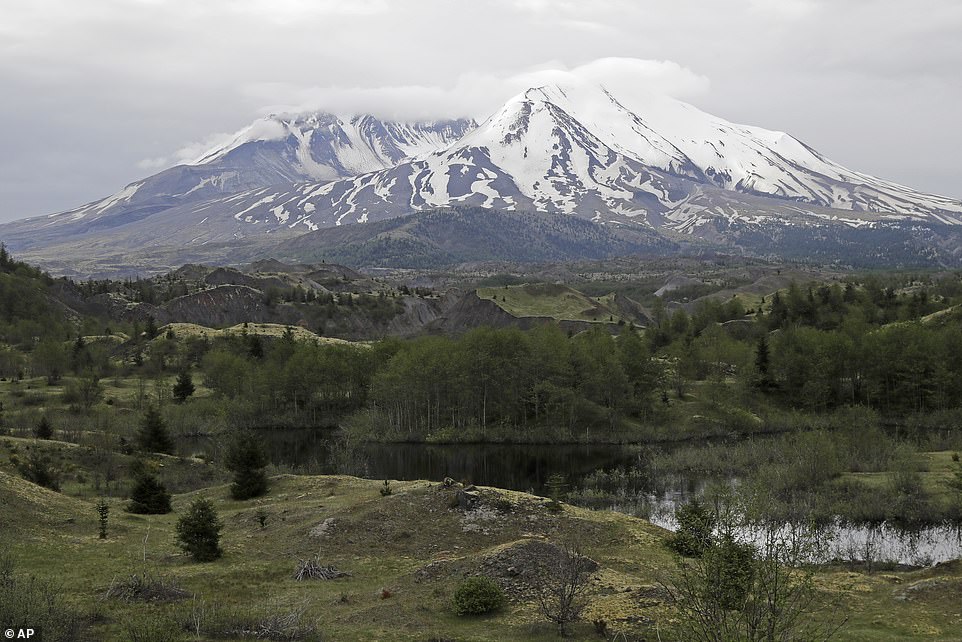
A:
198, 531
562, 580
761, 591
730, 572
38, 469
85, 391
149, 497
477, 596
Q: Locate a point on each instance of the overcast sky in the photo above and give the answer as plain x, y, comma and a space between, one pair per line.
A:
98, 93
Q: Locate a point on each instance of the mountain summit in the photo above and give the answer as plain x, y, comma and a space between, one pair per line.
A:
579, 151
679, 139
573, 150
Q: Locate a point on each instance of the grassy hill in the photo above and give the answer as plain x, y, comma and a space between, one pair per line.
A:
552, 301
405, 553
271, 330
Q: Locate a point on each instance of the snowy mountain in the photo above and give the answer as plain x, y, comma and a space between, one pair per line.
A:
324, 147
530, 155
581, 152
277, 150
664, 166
677, 138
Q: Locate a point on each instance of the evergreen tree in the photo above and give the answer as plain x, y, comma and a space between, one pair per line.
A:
555, 485
849, 296
184, 387
151, 328
778, 316
255, 347
103, 513
764, 380
696, 529
43, 430
198, 531
149, 496
153, 436
81, 356
245, 457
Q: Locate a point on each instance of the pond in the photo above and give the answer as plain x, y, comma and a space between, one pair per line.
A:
527, 468
517, 467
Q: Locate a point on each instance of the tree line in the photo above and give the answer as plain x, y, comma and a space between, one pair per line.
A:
812, 348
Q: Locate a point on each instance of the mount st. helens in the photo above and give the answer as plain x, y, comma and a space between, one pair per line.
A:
581, 152
665, 167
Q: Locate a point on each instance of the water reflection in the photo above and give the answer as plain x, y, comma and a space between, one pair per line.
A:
628, 485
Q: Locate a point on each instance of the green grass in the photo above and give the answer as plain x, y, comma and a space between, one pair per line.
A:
943, 316
935, 471
553, 301
85, 469
939, 461
274, 330
383, 542
412, 544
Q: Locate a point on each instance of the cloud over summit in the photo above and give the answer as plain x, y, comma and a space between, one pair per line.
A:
101, 92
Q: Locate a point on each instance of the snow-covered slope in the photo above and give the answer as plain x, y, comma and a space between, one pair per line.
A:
324, 147
663, 165
278, 150
530, 155
678, 138
579, 151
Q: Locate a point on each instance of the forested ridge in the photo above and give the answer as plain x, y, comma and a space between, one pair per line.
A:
883, 341
811, 349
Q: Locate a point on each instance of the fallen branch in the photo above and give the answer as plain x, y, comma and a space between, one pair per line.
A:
145, 588
313, 570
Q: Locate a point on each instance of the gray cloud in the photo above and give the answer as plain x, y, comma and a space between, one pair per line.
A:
479, 94
100, 93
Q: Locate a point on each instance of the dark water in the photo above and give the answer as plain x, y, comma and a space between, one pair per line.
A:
517, 467
527, 467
